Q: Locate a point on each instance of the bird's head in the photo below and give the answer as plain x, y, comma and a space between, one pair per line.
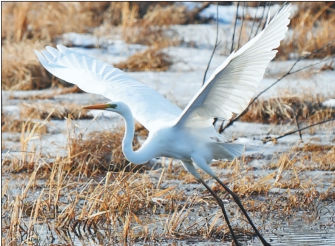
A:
117, 107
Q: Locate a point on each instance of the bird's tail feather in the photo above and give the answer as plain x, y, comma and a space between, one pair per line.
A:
228, 151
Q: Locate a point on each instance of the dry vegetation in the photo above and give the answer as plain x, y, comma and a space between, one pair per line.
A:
39, 112
56, 111
152, 59
141, 22
312, 28
287, 110
94, 192
47, 20
38, 24
20, 69
99, 152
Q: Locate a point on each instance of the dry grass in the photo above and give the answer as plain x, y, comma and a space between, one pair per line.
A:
152, 59
147, 23
57, 111
81, 192
116, 201
37, 24
285, 170
38, 112
99, 152
20, 68
61, 17
10, 124
155, 36
74, 197
102, 150
287, 110
47, 20
172, 15
312, 28
317, 157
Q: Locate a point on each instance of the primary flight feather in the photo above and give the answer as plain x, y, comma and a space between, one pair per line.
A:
187, 135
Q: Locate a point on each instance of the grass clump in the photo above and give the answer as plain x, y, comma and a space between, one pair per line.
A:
312, 28
47, 20
20, 68
152, 59
57, 112
287, 109
98, 152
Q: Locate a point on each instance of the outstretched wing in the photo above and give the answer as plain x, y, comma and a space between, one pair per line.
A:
232, 85
91, 75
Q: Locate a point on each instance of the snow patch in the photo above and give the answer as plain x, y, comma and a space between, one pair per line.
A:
329, 103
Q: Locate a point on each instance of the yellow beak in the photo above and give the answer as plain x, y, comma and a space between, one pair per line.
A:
97, 106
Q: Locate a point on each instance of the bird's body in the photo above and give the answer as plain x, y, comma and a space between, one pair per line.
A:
187, 135
171, 140
178, 143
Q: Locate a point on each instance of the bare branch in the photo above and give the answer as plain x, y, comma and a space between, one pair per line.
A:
216, 42
260, 21
297, 123
253, 23
268, 139
239, 37
233, 38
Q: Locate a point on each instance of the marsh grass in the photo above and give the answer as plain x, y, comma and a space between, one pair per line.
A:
152, 59
21, 69
35, 27
47, 20
285, 170
312, 28
87, 193
288, 109
35, 113
59, 111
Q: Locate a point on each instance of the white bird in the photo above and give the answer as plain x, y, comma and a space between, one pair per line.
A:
187, 135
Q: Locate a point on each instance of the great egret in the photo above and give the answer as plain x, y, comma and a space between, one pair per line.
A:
187, 135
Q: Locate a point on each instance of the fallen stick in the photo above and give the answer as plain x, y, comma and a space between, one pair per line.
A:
268, 139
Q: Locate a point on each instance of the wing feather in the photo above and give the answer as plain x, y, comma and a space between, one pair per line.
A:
233, 83
149, 107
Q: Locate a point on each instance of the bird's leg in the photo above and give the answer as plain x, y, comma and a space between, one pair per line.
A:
238, 202
221, 204
190, 168
205, 167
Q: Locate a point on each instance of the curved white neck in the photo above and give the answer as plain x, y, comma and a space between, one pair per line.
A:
140, 156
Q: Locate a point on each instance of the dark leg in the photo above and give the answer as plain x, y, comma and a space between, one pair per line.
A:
238, 202
190, 168
221, 204
201, 163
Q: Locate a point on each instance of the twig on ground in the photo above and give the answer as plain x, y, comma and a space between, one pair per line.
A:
268, 139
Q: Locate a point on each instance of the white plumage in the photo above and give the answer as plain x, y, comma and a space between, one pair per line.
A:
94, 76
